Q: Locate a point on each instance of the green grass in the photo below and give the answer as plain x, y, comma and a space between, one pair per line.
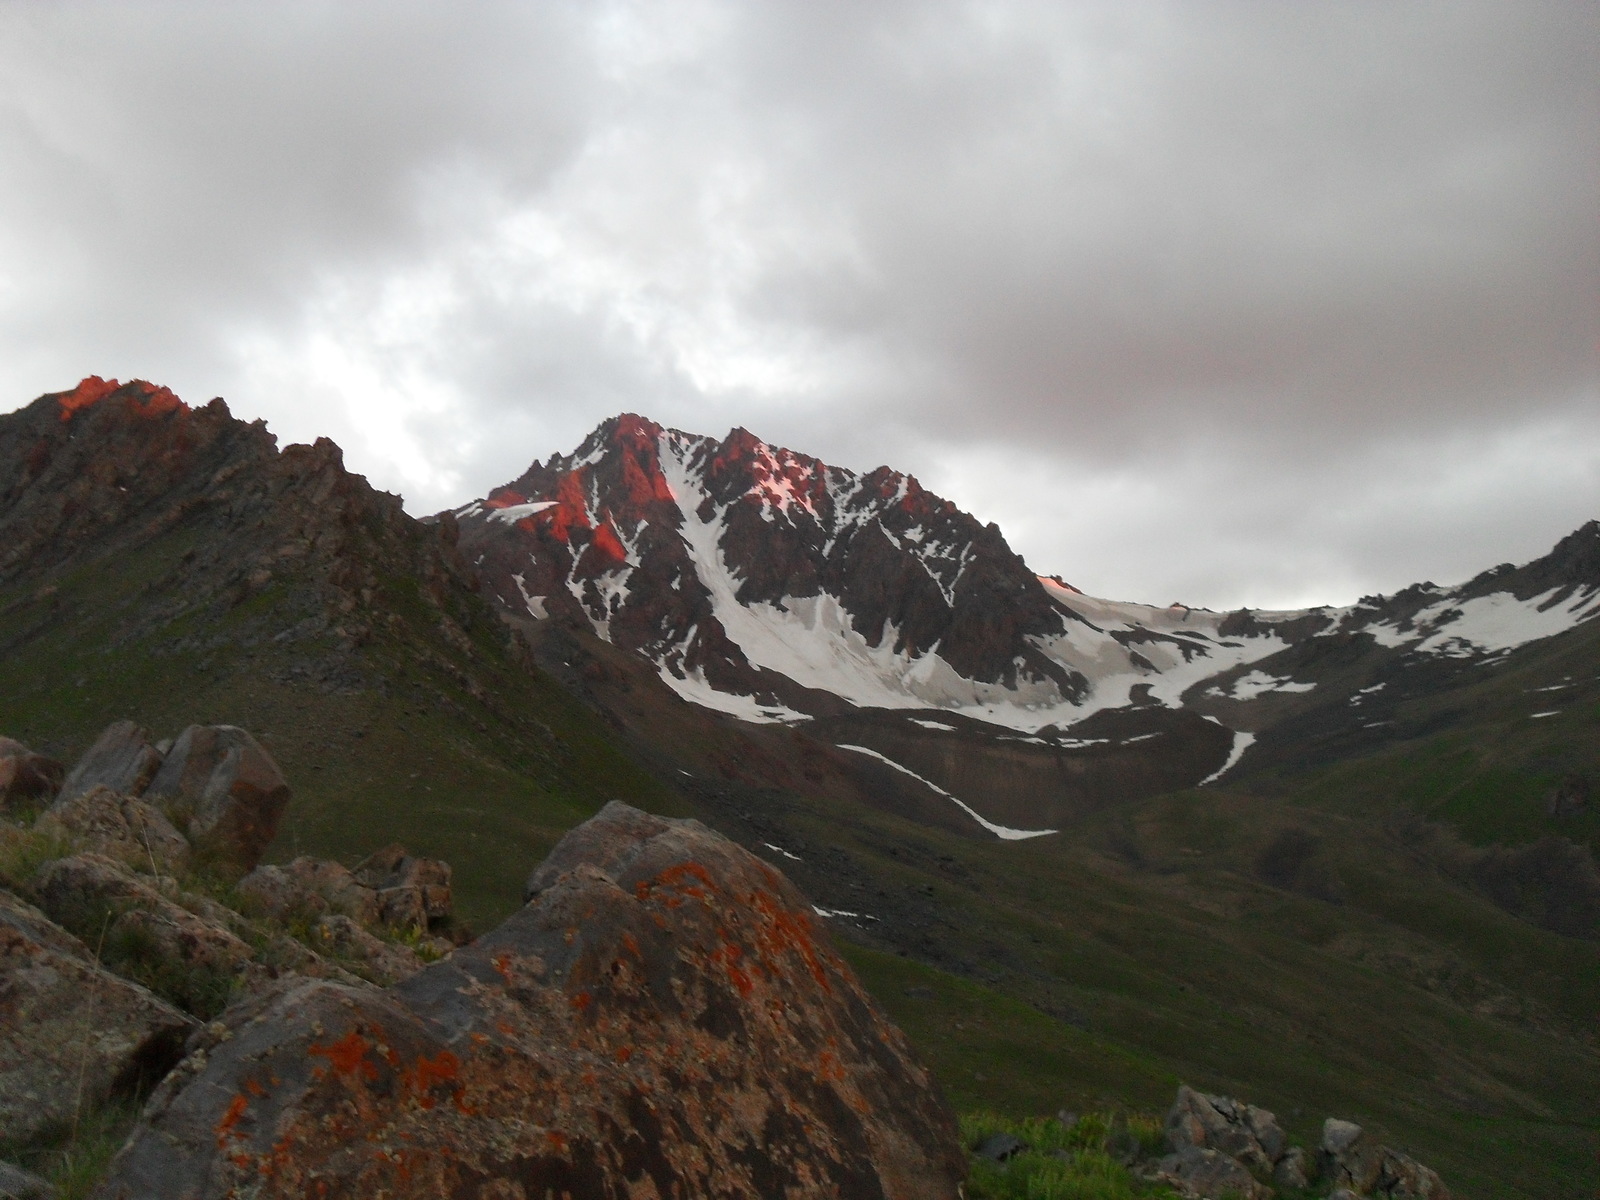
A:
1061, 1162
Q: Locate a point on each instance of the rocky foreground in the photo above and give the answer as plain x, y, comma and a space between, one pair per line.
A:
665, 1016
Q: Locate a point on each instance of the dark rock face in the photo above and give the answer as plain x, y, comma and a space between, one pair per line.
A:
224, 790
26, 777
602, 543
1353, 1159
71, 1033
664, 1018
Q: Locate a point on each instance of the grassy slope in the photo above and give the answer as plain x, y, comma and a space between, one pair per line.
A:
411, 758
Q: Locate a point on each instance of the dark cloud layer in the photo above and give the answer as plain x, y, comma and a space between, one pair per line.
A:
1264, 303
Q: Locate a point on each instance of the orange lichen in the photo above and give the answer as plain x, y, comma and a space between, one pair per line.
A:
230, 1119
581, 1001
624, 1053
347, 1056
557, 1140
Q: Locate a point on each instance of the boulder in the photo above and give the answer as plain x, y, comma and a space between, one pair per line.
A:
1221, 1123
308, 888
26, 778
1001, 1147
122, 827
194, 960
666, 1017
17, 1184
224, 791
382, 962
122, 759
412, 892
1351, 1157
1198, 1171
1403, 1178
71, 1033
1293, 1170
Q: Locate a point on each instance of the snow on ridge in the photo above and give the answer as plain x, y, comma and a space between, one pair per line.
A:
1259, 683
1003, 832
512, 513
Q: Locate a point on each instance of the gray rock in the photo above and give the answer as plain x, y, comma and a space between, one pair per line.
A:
393, 873
1222, 1123
1198, 1171
121, 759
1403, 1178
17, 1184
26, 778
71, 1033
338, 936
196, 961
102, 821
1000, 1147
224, 791
1293, 1170
1350, 1156
308, 888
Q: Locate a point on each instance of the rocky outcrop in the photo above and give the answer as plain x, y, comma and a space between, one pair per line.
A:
17, 1184
122, 759
665, 1017
389, 889
26, 778
223, 789
72, 1034
122, 827
1355, 1162
412, 892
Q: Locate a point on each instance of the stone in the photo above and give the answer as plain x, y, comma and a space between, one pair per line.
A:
72, 1035
26, 778
1403, 1178
121, 827
1222, 1123
307, 888
382, 962
121, 759
199, 962
224, 791
412, 892
1001, 1147
1198, 1171
667, 1017
17, 1184
1350, 1156
1293, 1170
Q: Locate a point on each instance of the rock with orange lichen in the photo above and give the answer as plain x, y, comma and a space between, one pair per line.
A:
665, 1018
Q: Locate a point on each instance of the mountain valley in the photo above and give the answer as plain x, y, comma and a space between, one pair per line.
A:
1338, 860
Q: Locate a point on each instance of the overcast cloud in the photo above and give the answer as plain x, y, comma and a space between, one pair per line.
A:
1257, 304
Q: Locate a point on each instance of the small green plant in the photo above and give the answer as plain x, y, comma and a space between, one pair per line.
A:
23, 852
74, 1156
1061, 1162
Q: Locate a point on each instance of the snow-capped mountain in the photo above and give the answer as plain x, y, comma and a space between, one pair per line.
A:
769, 585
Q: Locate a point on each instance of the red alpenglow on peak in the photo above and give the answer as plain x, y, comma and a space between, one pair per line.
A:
141, 398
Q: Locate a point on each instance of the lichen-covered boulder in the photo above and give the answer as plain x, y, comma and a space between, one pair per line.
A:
71, 1033
1198, 1171
1242, 1131
1351, 1157
665, 1018
26, 778
338, 937
122, 827
224, 791
122, 759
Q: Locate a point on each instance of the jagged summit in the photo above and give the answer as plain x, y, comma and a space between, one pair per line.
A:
765, 583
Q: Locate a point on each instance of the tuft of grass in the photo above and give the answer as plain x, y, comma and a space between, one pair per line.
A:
23, 852
1062, 1162
74, 1157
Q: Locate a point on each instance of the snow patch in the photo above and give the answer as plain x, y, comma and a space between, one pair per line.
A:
1258, 683
1241, 743
783, 852
1000, 831
513, 513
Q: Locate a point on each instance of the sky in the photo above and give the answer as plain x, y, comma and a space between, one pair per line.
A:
1267, 304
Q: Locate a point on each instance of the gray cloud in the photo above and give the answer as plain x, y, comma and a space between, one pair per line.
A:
1227, 302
